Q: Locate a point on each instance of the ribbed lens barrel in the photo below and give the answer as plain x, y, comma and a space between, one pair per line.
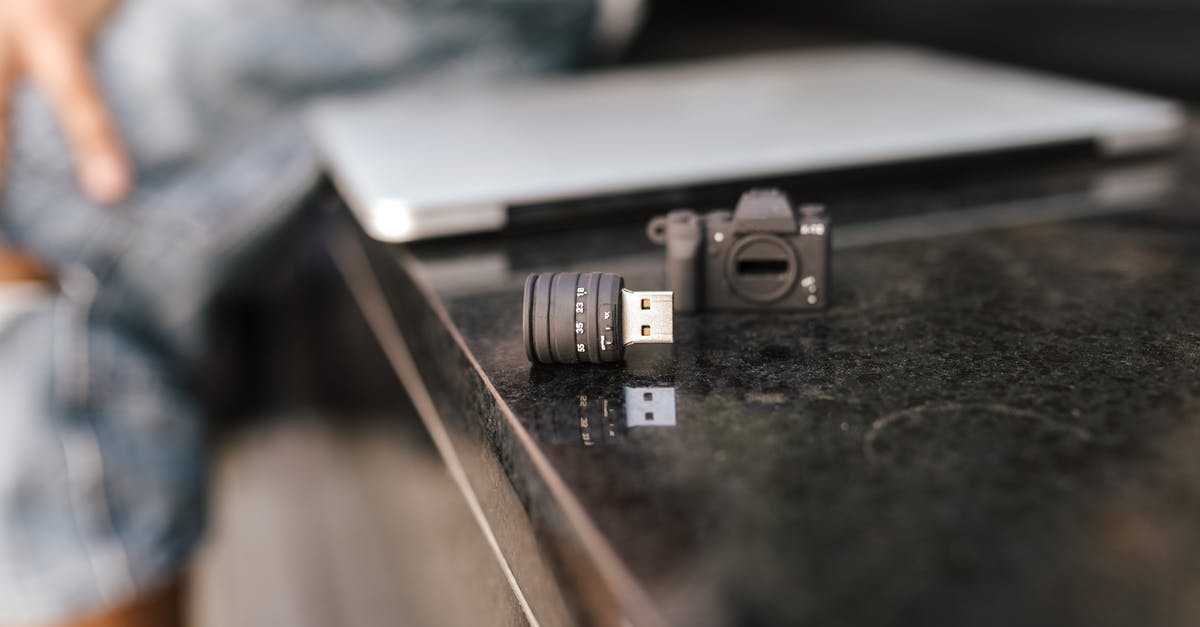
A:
573, 317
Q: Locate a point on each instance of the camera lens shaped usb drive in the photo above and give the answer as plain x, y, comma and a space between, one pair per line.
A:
589, 317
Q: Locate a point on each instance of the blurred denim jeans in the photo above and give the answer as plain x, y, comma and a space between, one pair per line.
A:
101, 454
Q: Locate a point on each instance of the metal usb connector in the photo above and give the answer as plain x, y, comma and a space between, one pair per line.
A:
647, 317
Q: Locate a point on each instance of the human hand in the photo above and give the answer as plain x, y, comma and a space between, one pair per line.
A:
48, 42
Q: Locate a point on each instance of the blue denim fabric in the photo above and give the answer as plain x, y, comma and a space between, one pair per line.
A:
101, 464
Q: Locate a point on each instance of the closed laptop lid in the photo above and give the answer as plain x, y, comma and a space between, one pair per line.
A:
446, 159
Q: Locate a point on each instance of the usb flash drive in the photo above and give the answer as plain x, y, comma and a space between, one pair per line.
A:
589, 317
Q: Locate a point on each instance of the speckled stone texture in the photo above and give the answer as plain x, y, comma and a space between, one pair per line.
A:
994, 427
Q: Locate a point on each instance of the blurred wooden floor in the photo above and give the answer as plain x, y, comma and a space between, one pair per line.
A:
315, 526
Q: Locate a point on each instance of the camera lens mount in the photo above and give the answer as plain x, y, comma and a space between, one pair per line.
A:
762, 268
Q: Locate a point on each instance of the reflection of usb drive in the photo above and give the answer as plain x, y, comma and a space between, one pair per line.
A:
599, 418
649, 407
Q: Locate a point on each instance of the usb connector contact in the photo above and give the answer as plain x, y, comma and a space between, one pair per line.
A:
589, 317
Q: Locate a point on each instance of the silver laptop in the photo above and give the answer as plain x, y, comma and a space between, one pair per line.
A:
452, 159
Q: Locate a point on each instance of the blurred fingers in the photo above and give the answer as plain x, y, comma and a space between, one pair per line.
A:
7, 80
94, 13
56, 59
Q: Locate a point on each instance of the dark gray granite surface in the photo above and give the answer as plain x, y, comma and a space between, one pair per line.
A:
997, 422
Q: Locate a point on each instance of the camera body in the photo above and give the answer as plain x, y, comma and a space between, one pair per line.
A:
762, 256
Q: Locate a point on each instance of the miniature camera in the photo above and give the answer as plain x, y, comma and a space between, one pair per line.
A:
764, 256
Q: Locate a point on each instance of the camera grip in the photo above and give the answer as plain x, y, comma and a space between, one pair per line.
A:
684, 241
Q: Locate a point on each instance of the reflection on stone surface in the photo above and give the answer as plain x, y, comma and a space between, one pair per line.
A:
945, 435
592, 415
984, 428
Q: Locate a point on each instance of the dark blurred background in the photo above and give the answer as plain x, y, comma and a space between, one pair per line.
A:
1151, 45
